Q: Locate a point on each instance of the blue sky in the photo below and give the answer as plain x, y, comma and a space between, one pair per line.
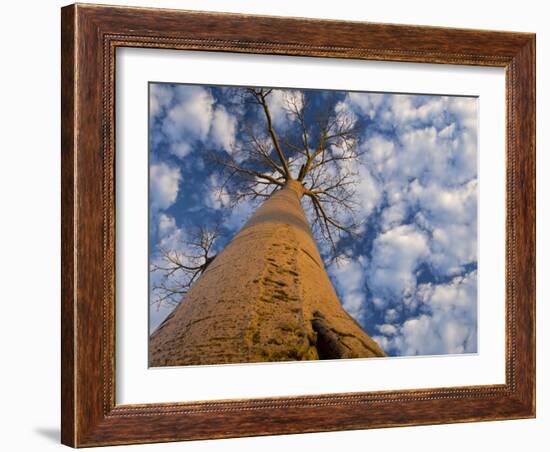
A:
410, 275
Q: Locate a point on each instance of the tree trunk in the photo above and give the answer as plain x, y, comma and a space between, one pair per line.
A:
266, 297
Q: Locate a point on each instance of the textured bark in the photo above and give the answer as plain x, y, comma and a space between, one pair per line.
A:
266, 297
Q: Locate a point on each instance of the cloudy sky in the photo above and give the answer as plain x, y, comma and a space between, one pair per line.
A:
410, 278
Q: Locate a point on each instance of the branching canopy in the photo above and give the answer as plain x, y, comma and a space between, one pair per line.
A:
319, 150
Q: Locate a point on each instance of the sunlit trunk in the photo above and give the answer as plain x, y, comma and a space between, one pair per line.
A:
266, 297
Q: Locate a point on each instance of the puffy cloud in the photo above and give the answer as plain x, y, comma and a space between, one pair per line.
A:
366, 103
406, 111
411, 135
450, 214
164, 183
393, 215
278, 101
395, 256
170, 236
465, 108
387, 329
422, 152
166, 225
217, 196
160, 97
367, 190
189, 118
349, 276
224, 126
381, 156
447, 324
391, 315
186, 116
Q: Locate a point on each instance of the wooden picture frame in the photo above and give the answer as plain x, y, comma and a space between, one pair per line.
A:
90, 35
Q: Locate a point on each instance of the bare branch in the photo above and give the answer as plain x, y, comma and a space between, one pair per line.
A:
235, 168
179, 269
261, 96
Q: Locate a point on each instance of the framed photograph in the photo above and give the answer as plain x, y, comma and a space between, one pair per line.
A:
280, 225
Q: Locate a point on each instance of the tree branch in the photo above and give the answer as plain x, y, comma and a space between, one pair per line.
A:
179, 270
261, 97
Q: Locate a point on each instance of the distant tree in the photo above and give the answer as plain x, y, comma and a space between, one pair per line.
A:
180, 267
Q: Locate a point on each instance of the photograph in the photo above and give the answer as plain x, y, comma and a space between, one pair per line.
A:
296, 224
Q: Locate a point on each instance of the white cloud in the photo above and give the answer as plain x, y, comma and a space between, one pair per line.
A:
277, 102
217, 196
349, 277
422, 153
448, 131
387, 329
391, 315
393, 215
192, 112
191, 116
451, 216
224, 126
401, 110
164, 183
380, 155
435, 137
366, 103
368, 191
166, 225
380, 303
408, 111
395, 256
170, 237
160, 97
181, 148
448, 323
466, 108
188, 119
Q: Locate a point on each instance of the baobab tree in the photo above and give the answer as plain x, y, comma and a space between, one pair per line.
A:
267, 296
